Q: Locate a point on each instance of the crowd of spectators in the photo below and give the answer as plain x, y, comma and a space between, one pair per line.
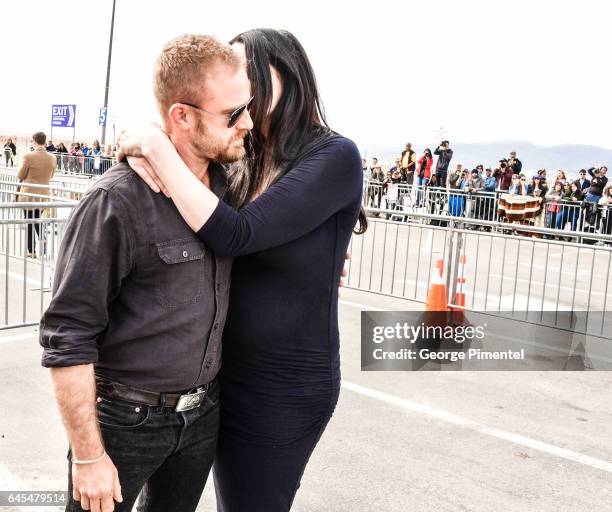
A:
81, 158
578, 204
75, 157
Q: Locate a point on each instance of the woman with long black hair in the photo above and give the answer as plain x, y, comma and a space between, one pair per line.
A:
295, 201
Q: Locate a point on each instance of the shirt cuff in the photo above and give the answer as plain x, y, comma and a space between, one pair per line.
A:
57, 358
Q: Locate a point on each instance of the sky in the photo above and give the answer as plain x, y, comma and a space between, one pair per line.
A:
388, 72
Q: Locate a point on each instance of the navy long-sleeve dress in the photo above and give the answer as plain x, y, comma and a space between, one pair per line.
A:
280, 375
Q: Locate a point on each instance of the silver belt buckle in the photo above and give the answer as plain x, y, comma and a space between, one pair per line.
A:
191, 400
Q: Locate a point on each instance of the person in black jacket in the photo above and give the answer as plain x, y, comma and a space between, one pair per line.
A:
445, 154
515, 163
598, 183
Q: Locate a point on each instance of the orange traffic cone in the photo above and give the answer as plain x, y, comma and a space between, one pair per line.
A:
436, 296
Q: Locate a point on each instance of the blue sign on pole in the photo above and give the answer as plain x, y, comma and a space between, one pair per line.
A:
63, 116
102, 117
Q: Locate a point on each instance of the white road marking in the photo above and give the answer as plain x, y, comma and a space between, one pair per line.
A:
518, 280
479, 427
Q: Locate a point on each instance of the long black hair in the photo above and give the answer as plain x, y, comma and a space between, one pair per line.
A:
297, 122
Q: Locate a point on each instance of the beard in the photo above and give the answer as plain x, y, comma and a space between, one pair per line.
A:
206, 146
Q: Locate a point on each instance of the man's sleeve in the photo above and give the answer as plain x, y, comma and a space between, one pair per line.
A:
23, 170
95, 256
53, 167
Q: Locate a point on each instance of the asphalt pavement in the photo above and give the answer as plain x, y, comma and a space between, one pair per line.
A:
398, 441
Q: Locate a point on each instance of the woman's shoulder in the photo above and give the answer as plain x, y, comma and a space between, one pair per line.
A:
335, 144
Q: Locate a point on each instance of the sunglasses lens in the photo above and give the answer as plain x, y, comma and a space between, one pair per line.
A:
235, 116
233, 119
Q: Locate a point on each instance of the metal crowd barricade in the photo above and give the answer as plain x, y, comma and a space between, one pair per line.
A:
83, 165
10, 189
505, 274
481, 205
25, 279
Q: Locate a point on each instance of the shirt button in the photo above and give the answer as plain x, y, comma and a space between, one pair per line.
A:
98, 399
208, 364
218, 287
216, 326
137, 409
185, 254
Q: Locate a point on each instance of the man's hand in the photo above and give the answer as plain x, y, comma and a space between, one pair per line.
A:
96, 485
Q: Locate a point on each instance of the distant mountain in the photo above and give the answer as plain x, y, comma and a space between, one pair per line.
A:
569, 157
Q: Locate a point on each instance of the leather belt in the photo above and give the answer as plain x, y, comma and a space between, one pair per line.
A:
178, 401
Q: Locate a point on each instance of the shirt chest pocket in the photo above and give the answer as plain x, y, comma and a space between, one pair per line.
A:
180, 275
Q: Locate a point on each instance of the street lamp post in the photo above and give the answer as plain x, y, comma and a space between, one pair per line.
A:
113, 120
108, 67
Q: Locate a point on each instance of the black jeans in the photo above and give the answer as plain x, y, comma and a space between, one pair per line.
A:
32, 214
164, 453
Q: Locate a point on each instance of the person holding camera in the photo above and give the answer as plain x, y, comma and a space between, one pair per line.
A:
444, 154
515, 163
598, 184
504, 174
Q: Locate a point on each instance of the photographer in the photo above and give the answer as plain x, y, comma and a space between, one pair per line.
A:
445, 154
515, 163
598, 183
503, 174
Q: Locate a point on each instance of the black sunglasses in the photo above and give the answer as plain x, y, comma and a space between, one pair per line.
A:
232, 119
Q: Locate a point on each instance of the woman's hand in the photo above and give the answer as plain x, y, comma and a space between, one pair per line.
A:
137, 145
141, 166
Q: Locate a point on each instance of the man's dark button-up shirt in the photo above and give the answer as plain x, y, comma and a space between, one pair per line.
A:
135, 291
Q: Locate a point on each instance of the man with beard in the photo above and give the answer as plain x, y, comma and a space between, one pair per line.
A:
133, 332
